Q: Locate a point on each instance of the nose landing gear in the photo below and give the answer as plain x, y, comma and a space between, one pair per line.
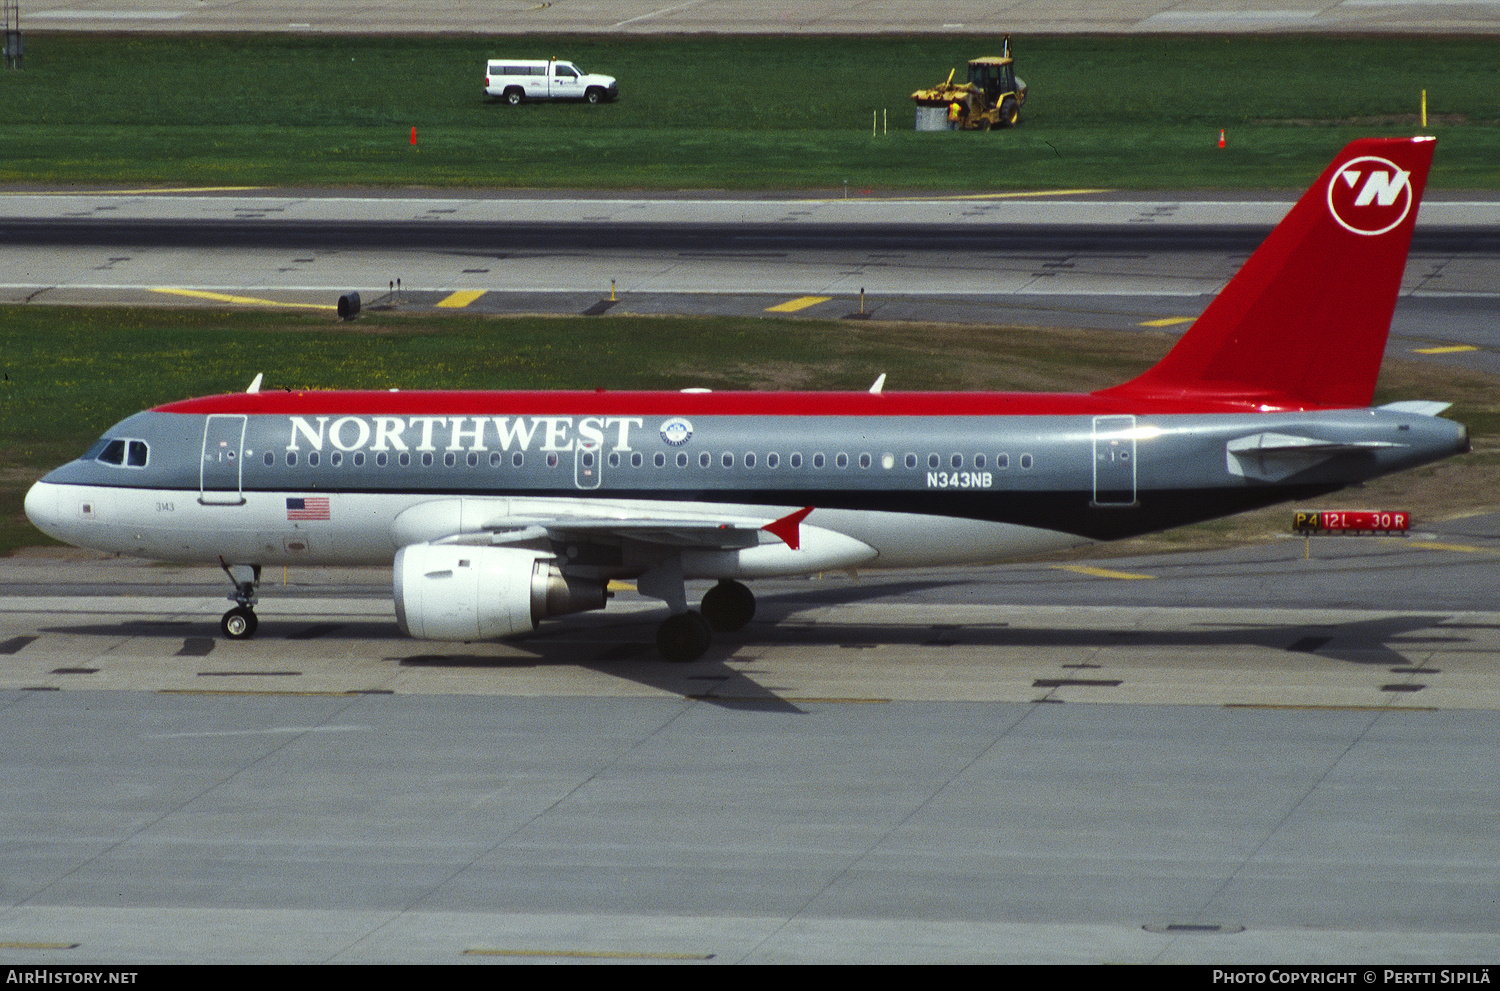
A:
241, 622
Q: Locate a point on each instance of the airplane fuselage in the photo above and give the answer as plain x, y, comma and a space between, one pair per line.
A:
978, 477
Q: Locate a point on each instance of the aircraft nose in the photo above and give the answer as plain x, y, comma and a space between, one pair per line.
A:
41, 508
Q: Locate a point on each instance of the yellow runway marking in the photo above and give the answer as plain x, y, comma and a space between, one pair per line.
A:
243, 300
1166, 322
461, 298
1427, 546
1084, 569
1448, 349
40, 946
800, 303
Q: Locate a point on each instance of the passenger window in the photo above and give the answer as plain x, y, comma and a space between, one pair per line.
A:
518, 459
817, 460
773, 461
682, 459
842, 460
661, 460
312, 458
749, 461
933, 461
1002, 461
270, 459
911, 461
1025, 461
796, 460
636, 459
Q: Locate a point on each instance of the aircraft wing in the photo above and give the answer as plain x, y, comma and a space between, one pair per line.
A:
463, 521
685, 534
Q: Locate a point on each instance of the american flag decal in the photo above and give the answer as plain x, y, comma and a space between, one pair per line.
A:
307, 508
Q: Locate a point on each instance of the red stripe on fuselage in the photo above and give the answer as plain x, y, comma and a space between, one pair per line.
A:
601, 403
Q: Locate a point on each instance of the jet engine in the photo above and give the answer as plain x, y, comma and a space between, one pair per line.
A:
458, 592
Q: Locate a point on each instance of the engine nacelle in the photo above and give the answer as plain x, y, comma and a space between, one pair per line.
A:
457, 592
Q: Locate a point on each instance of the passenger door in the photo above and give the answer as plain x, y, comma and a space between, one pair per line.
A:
221, 470
1114, 461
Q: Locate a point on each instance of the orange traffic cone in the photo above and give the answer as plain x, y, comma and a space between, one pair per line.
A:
1221, 137
414, 136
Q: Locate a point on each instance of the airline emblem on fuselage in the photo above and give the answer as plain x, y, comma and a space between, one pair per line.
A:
1369, 195
677, 431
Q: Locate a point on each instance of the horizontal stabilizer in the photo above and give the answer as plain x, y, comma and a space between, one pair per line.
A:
1272, 456
1421, 407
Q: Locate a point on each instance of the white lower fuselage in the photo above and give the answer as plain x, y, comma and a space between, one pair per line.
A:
362, 528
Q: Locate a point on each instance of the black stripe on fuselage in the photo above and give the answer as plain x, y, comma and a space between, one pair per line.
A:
1064, 512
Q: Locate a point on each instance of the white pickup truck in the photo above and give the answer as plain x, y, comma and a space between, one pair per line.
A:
514, 80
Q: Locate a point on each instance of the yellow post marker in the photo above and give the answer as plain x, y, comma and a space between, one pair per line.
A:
1424, 110
611, 290
874, 120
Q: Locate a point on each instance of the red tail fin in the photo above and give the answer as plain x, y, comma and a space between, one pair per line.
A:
1304, 322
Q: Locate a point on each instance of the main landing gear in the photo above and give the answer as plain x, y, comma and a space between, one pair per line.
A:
685, 636
240, 622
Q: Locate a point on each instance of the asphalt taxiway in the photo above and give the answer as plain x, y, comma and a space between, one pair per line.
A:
1275, 753
1080, 259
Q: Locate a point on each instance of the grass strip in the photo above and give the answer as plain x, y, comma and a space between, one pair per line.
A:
735, 113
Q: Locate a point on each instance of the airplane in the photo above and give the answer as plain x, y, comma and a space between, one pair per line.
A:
499, 510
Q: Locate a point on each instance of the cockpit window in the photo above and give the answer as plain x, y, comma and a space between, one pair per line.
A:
119, 451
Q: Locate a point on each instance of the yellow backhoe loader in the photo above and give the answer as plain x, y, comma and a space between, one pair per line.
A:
992, 97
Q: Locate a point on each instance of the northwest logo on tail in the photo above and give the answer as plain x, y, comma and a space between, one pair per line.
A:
1369, 195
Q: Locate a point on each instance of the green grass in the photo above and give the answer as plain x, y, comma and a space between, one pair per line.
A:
751, 113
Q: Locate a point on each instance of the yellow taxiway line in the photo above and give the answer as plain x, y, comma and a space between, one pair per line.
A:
1084, 569
220, 297
800, 303
461, 298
